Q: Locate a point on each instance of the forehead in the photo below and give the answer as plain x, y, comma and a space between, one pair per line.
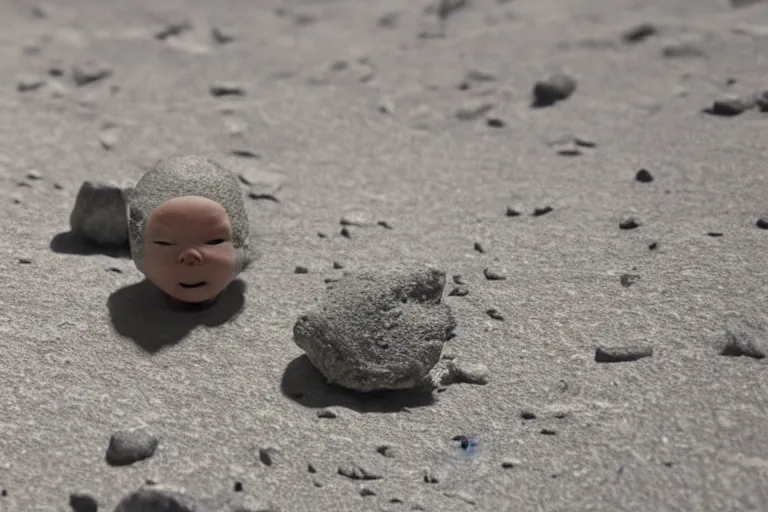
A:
189, 211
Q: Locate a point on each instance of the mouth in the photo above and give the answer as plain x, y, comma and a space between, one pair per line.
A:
193, 285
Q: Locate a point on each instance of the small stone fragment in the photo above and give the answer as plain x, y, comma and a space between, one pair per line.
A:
365, 491
459, 291
541, 210
492, 274
639, 33
473, 109
554, 88
495, 314
384, 224
628, 280
129, 446
447, 8
548, 432
345, 232
495, 122
220, 89
729, 105
155, 499
622, 354
762, 221
337, 265
761, 100
387, 450
267, 454
629, 222
509, 463
90, 72
458, 279
25, 261
479, 248
744, 338
237, 487
108, 136
244, 153
356, 472
466, 373
100, 213
29, 83
223, 35
434, 475
644, 176
173, 29
301, 269
461, 495
83, 503
682, 50
653, 246
512, 212
388, 20
326, 413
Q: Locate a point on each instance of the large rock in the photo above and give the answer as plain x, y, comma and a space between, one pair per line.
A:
100, 213
378, 330
156, 499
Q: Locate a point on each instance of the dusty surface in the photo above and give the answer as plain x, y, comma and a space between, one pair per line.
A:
380, 136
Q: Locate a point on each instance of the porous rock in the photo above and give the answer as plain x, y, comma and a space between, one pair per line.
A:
100, 213
378, 330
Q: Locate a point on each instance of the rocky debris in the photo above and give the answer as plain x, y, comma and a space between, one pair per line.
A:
644, 176
570, 145
387, 450
552, 89
434, 475
378, 330
460, 372
493, 274
495, 122
173, 29
510, 462
156, 499
301, 269
683, 50
495, 314
268, 454
629, 222
761, 100
639, 33
28, 83
512, 212
100, 213
622, 354
219, 89
744, 338
461, 495
730, 105
223, 35
628, 280
243, 503
479, 247
129, 446
357, 472
109, 135
762, 221
327, 413
541, 210
80, 502
90, 72
459, 291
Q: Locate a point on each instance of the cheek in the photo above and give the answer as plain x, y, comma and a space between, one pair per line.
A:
223, 256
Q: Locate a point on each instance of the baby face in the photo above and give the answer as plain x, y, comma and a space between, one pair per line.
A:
188, 250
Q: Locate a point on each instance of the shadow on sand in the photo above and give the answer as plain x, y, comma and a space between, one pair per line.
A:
69, 243
142, 313
305, 385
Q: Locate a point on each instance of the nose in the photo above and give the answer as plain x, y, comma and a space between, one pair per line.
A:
190, 257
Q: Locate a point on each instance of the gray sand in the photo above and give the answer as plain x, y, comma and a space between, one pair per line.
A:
358, 114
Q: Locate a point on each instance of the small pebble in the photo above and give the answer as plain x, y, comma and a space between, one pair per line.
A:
644, 176
173, 29
714, 234
90, 72
238, 487
729, 105
384, 224
458, 279
639, 33
387, 450
300, 269
653, 246
628, 280
156, 500
459, 291
555, 88
495, 122
365, 491
83, 503
762, 221
473, 109
345, 232
509, 463
337, 265
512, 212
244, 153
434, 476
744, 339
542, 210
495, 314
267, 454
461, 495
478, 247
356, 472
129, 446
30, 83
25, 261
220, 89
447, 8
528, 415
467, 373
622, 354
33, 175
494, 274
223, 35
327, 413
629, 222
548, 432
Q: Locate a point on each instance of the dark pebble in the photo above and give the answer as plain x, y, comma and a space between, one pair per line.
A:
479, 248
25, 261
495, 122
365, 491
762, 221
356, 472
267, 455
173, 29
337, 265
458, 279
129, 446
220, 89
622, 354
548, 432
494, 275
244, 153
495, 314
447, 8
386, 450
384, 224
30, 83
629, 222
512, 212
320, 234
644, 176
223, 35
729, 105
300, 269
238, 487
345, 232
639, 33
653, 246
459, 291
628, 280
257, 196
311, 468
714, 234
555, 88
542, 210
528, 415
83, 503
90, 72
509, 463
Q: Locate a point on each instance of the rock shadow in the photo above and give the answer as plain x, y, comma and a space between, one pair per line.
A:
70, 243
144, 314
305, 385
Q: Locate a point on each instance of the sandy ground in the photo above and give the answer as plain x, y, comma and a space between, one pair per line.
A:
352, 108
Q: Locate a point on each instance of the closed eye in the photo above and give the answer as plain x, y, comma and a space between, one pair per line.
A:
216, 241
161, 242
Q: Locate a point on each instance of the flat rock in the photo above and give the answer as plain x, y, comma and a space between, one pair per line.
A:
378, 330
129, 446
90, 72
622, 354
744, 338
156, 499
100, 213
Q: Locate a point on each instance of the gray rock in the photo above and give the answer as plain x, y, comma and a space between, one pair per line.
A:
744, 338
100, 213
80, 502
378, 330
156, 499
129, 446
466, 373
552, 89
